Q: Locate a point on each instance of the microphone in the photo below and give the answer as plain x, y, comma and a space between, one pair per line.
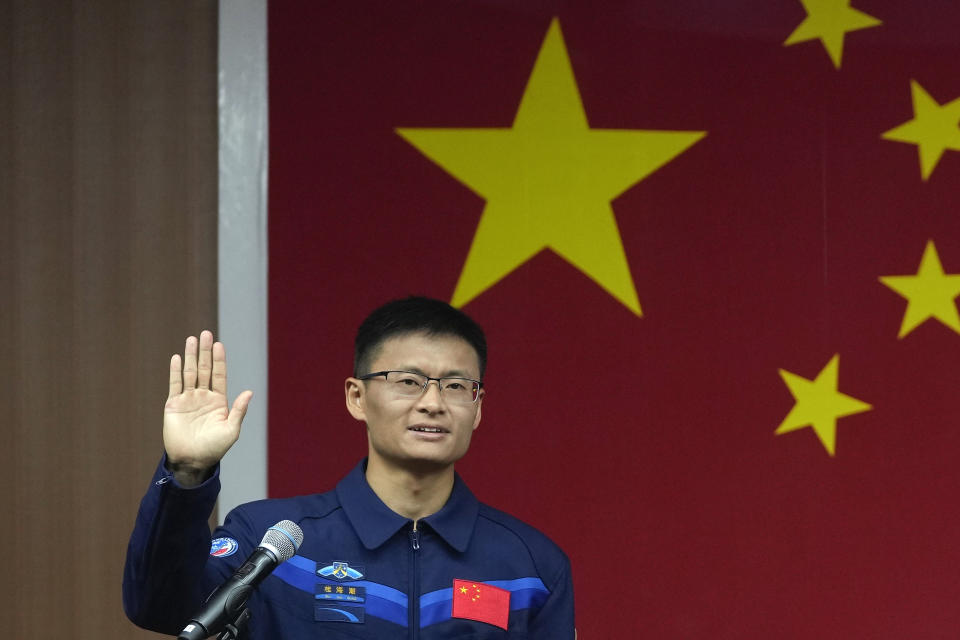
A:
227, 602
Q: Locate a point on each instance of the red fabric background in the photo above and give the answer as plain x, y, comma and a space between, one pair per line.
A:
645, 446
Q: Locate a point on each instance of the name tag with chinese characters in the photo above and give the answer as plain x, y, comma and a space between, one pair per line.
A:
339, 603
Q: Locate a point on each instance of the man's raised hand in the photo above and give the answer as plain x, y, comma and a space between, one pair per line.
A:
198, 429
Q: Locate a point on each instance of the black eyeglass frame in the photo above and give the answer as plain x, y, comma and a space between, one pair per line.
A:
423, 389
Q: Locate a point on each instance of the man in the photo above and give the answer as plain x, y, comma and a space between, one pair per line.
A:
400, 549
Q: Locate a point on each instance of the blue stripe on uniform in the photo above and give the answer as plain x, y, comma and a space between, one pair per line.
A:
296, 577
304, 564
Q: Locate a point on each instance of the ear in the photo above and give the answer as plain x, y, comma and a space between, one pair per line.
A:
476, 419
355, 394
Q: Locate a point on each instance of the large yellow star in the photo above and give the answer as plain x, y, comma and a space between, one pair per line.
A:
548, 181
830, 20
934, 128
929, 294
819, 404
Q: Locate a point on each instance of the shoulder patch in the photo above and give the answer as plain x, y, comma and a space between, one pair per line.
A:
223, 547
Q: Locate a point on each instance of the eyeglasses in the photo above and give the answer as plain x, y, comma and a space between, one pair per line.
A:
411, 385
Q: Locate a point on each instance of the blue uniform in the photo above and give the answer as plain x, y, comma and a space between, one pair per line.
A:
362, 571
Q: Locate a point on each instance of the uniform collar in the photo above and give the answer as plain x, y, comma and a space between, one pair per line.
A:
375, 523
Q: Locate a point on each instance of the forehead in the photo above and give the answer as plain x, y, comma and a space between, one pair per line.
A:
432, 354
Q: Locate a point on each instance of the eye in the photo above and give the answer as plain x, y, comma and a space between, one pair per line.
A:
455, 386
409, 380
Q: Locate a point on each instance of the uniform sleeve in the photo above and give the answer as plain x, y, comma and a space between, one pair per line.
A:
554, 620
167, 575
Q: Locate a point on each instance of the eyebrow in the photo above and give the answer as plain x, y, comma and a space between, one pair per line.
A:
450, 373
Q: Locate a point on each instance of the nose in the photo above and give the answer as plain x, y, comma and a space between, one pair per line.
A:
431, 399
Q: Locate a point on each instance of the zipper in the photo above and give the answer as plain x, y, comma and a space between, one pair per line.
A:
414, 600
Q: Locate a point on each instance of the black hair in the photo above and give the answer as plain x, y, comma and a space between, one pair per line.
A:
415, 315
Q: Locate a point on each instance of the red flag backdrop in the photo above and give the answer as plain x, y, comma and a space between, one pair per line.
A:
785, 262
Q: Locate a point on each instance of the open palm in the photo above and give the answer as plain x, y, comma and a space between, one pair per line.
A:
198, 426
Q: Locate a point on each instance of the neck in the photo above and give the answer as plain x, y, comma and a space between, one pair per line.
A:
412, 493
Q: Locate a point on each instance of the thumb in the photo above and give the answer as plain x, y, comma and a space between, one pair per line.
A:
239, 410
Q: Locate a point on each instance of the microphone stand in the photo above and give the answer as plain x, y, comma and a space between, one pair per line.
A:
235, 628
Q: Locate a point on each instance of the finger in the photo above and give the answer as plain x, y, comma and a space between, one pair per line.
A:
190, 364
219, 368
239, 410
176, 377
204, 363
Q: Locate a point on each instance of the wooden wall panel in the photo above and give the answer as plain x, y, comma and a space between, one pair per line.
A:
108, 144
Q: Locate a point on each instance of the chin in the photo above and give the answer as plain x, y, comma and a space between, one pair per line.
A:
436, 460
420, 457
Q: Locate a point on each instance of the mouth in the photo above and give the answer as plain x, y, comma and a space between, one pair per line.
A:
427, 428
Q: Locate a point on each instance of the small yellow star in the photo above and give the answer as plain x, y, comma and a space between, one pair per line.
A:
549, 180
929, 294
934, 128
830, 20
819, 404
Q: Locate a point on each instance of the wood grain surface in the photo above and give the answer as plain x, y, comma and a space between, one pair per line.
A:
108, 219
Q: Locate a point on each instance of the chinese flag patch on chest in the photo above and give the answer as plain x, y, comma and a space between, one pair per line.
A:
481, 602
